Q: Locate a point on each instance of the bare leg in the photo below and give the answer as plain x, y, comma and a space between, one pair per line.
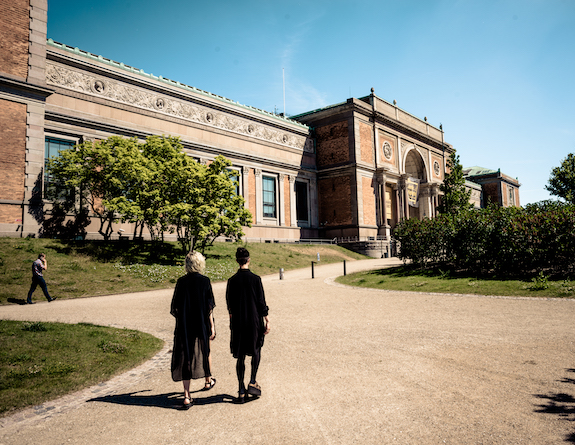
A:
186, 389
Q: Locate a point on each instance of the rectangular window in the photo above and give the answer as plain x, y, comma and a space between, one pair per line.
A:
52, 148
235, 176
269, 196
301, 201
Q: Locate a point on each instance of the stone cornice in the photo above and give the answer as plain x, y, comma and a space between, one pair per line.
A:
23, 88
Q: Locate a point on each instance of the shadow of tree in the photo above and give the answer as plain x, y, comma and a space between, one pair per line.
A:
172, 400
560, 404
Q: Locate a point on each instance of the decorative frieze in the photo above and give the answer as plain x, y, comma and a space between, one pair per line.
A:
116, 91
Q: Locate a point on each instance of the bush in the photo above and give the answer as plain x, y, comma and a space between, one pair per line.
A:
508, 241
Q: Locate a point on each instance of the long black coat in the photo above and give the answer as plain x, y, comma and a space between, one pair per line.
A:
247, 305
192, 304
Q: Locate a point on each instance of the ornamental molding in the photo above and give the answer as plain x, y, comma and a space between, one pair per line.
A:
118, 92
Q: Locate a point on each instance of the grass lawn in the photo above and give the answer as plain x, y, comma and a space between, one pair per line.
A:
92, 268
407, 278
42, 361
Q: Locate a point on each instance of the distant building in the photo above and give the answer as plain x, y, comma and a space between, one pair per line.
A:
496, 187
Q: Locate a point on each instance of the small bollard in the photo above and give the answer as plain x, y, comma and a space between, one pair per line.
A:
318, 257
281, 273
312, 273
344, 268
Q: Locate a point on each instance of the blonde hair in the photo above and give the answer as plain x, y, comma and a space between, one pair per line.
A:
195, 262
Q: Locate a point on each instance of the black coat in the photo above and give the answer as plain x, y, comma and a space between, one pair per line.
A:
192, 304
247, 305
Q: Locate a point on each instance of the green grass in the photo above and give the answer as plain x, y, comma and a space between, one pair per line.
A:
41, 361
407, 278
93, 268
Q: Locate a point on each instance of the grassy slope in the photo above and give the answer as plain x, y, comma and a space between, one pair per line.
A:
407, 278
97, 268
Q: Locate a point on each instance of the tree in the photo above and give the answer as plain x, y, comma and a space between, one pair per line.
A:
156, 185
455, 197
562, 180
99, 172
210, 206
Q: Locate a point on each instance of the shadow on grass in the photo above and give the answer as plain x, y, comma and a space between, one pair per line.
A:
128, 252
560, 404
440, 272
172, 400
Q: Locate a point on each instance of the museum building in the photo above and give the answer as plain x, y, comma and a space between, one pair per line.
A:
347, 171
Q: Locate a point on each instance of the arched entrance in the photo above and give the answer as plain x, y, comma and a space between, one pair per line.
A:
415, 168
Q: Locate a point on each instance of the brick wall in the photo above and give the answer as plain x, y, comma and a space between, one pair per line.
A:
366, 142
491, 193
332, 144
12, 149
391, 141
335, 200
14, 35
12, 158
369, 214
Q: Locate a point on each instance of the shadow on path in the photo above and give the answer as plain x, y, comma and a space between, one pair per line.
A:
172, 400
560, 404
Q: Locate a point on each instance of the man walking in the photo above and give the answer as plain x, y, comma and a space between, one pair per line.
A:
38, 267
248, 321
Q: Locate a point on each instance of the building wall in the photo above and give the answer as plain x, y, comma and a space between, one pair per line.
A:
366, 143
14, 34
368, 189
335, 198
332, 144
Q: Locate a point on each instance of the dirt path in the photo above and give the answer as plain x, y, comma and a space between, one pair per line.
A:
341, 365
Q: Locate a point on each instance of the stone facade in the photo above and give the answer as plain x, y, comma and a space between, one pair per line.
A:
496, 187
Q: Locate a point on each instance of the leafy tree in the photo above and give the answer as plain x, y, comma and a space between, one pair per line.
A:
100, 172
156, 185
209, 206
562, 180
455, 197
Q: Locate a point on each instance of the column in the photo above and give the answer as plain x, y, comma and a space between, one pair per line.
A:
313, 202
281, 207
292, 211
246, 186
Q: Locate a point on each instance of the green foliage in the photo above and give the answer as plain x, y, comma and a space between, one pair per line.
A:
562, 180
540, 282
33, 326
154, 185
455, 197
504, 241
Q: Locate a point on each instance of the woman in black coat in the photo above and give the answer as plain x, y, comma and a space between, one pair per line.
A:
192, 306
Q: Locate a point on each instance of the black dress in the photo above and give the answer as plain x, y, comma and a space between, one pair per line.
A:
192, 304
247, 305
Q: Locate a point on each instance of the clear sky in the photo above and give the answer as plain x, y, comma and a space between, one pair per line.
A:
499, 75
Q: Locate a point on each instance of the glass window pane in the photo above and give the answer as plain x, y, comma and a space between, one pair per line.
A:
269, 196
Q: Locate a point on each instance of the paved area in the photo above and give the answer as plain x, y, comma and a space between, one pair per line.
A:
341, 365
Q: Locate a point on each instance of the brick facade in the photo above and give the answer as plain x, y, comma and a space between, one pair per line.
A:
14, 35
287, 200
12, 149
369, 213
335, 200
332, 144
366, 143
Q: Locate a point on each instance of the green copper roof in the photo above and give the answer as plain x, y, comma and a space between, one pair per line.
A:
141, 72
477, 171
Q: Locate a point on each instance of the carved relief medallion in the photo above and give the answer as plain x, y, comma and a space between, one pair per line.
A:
387, 151
436, 168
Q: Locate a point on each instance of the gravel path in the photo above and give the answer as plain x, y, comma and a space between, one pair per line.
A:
341, 365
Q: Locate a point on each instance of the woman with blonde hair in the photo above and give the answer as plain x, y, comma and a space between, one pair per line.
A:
192, 306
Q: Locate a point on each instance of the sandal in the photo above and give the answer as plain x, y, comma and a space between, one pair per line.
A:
209, 385
240, 398
189, 404
254, 389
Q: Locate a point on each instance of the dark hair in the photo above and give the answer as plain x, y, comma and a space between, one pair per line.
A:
40, 255
242, 256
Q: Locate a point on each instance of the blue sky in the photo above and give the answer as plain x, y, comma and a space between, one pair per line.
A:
499, 75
